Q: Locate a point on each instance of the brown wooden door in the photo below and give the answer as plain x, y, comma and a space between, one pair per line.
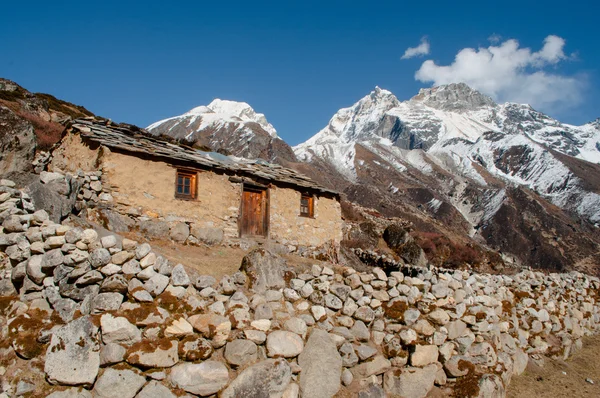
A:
254, 212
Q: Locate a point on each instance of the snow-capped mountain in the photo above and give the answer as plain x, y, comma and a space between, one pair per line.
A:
451, 144
226, 125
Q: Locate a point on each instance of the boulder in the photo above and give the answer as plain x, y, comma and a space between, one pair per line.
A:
208, 235
118, 330
73, 356
161, 353
179, 232
265, 270
203, 379
240, 352
410, 382
194, 348
321, 366
396, 236
155, 390
57, 197
154, 229
376, 366
490, 386
424, 355
268, 378
284, 344
121, 383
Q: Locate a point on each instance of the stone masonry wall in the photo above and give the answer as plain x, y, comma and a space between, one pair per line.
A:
140, 193
287, 225
83, 315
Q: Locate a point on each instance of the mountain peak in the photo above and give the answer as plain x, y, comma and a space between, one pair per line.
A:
453, 97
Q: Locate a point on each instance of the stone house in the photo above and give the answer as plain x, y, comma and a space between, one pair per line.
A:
169, 189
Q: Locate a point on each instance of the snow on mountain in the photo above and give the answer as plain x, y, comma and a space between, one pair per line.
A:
461, 130
230, 126
218, 112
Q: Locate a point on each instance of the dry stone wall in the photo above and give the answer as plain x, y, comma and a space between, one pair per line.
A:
86, 316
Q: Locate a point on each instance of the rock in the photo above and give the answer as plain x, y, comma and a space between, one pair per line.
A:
490, 386
349, 357
365, 314
365, 352
142, 251
240, 352
456, 329
194, 348
284, 344
154, 229
142, 295
118, 330
376, 366
34, 269
72, 392
161, 353
155, 390
122, 383
439, 317
179, 232
157, 284
207, 235
202, 379
396, 237
52, 259
205, 281
321, 366
73, 356
13, 224
179, 277
178, 328
17, 143
268, 378
360, 331
100, 257
347, 377
520, 361
265, 270
424, 355
372, 391
106, 302
112, 353
109, 241
410, 382
296, 325
114, 284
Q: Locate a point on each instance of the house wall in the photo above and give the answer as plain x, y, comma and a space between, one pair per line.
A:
149, 186
326, 225
145, 189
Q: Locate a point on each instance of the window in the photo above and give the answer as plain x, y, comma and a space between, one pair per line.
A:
307, 205
185, 185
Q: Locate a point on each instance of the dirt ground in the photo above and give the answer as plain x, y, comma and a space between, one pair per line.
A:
562, 378
216, 261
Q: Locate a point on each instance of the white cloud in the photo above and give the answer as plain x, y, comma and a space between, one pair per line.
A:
508, 72
418, 51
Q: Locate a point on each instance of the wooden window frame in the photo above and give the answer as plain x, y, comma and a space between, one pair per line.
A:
193, 177
310, 213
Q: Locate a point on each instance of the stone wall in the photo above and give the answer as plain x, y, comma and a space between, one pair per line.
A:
87, 316
288, 226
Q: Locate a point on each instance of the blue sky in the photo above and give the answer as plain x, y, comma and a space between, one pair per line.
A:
296, 62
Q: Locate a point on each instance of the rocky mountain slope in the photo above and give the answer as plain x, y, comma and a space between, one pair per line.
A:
29, 121
504, 174
227, 126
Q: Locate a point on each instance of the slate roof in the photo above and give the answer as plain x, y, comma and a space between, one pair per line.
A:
130, 138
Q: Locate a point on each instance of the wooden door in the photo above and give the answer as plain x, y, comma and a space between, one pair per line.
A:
254, 212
